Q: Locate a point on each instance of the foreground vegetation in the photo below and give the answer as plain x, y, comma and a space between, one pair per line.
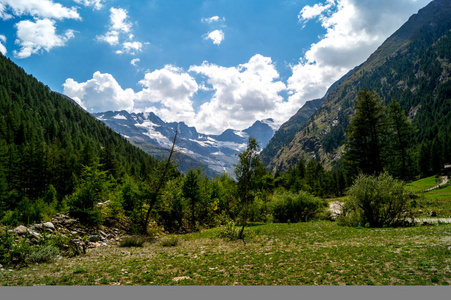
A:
313, 253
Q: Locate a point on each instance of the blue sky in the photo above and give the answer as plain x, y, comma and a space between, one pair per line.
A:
214, 64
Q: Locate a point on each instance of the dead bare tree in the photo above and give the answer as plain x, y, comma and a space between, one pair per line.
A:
160, 183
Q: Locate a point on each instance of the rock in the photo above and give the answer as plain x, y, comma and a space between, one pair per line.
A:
34, 234
433, 214
20, 230
94, 238
49, 225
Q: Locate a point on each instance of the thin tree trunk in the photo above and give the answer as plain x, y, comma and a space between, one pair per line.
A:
160, 183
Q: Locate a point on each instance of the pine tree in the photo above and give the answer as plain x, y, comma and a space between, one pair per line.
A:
366, 134
191, 192
401, 132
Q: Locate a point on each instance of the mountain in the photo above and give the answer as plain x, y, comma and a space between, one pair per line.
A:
412, 66
217, 152
288, 129
46, 142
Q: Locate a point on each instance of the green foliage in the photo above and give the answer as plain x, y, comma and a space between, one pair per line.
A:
229, 231
191, 192
365, 134
45, 253
377, 201
91, 191
287, 206
170, 242
133, 241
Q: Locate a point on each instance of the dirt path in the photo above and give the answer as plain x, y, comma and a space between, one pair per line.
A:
444, 179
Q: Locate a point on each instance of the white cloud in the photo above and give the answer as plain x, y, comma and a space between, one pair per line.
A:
217, 36
39, 9
119, 33
132, 47
354, 29
242, 94
96, 4
101, 93
2, 47
168, 92
3, 14
118, 19
213, 19
34, 37
135, 61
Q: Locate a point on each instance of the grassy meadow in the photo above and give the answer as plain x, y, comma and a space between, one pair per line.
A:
313, 253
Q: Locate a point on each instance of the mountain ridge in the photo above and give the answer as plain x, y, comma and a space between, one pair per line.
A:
396, 70
217, 152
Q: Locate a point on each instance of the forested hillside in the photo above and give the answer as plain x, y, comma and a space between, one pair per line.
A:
46, 142
412, 67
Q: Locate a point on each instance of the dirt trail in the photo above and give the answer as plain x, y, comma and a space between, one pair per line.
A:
445, 181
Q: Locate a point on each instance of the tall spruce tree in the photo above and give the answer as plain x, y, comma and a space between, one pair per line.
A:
401, 132
366, 134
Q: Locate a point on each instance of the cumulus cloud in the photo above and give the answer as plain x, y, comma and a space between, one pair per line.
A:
3, 14
39, 9
242, 94
34, 37
2, 47
216, 36
135, 61
168, 92
354, 29
96, 4
213, 19
101, 93
119, 34
132, 47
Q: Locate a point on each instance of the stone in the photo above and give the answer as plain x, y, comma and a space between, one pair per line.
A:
34, 234
49, 225
94, 238
20, 230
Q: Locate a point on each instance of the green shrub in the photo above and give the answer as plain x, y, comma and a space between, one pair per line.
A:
42, 254
296, 207
377, 201
133, 241
170, 242
229, 231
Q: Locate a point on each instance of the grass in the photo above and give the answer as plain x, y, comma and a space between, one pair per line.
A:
422, 184
438, 200
314, 253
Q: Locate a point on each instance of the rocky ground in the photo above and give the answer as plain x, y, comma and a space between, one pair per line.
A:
79, 236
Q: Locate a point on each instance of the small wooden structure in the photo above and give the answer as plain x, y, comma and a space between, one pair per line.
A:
447, 170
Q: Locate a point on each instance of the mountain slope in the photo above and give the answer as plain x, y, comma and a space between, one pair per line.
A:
216, 152
46, 140
412, 66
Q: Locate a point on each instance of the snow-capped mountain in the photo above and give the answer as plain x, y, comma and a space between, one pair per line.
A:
147, 130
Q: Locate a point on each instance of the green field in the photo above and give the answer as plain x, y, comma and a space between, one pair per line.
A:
314, 253
438, 200
422, 184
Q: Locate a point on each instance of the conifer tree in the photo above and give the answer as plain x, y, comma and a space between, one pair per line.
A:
366, 134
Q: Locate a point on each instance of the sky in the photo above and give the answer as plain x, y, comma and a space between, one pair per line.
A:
213, 64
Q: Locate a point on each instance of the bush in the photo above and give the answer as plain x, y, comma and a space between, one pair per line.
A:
42, 254
376, 201
296, 207
229, 231
170, 242
133, 241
